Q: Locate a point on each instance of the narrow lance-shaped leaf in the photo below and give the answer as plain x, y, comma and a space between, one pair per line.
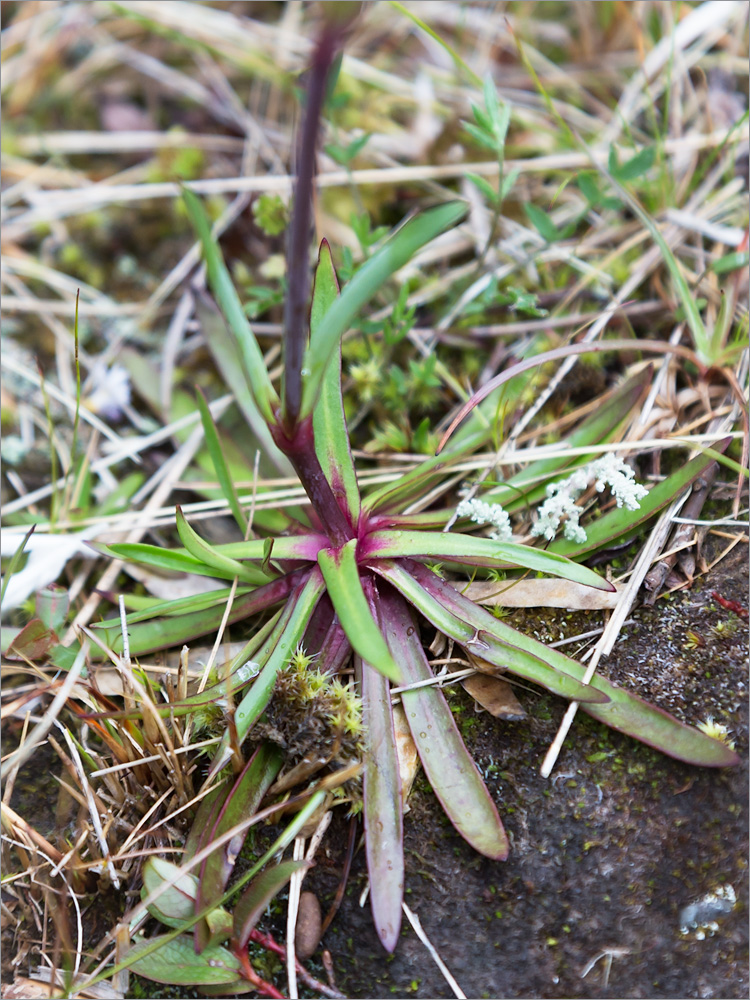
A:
383, 808
243, 800
466, 549
170, 560
341, 574
329, 424
146, 637
221, 284
211, 435
223, 346
200, 549
622, 711
261, 891
468, 624
448, 765
368, 280
253, 704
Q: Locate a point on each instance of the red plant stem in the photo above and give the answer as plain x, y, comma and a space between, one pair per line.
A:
265, 989
299, 447
298, 238
267, 941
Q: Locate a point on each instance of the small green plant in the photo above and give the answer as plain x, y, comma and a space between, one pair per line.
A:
352, 582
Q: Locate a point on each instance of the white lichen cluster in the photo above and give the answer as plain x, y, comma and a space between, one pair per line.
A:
561, 496
717, 730
487, 513
561, 501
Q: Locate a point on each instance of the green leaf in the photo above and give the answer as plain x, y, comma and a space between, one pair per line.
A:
226, 354
243, 800
736, 261
264, 393
213, 444
447, 763
177, 903
290, 630
329, 424
341, 574
622, 711
541, 221
261, 891
636, 166
383, 805
171, 560
484, 187
146, 637
200, 549
368, 280
175, 962
475, 628
466, 549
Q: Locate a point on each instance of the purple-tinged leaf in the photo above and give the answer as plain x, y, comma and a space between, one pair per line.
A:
448, 765
146, 637
623, 711
479, 632
303, 546
467, 549
383, 809
341, 574
250, 906
33, 642
242, 801
329, 422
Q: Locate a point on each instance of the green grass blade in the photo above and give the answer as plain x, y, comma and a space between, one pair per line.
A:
468, 550
449, 767
368, 280
341, 574
15, 561
329, 424
264, 393
213, 444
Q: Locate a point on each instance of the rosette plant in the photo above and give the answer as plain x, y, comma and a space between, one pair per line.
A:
349, 576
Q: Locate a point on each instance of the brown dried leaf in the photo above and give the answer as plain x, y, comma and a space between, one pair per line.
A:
495, 695
546, 593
